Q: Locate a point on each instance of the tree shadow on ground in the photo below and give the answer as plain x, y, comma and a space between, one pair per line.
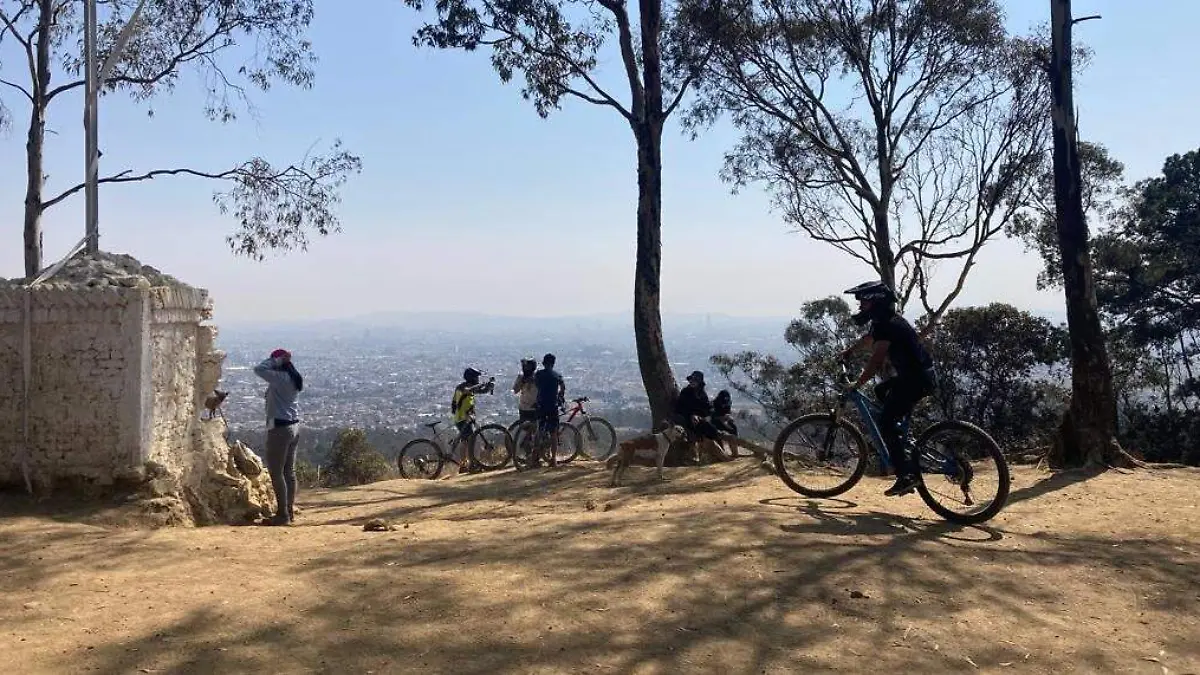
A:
779, 584
690, 576
511, 494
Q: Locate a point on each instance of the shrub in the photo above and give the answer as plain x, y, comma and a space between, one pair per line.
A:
355, 462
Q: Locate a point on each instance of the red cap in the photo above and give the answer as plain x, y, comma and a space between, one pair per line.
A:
281, 353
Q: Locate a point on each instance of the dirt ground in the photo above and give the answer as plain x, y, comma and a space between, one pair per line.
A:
720, 569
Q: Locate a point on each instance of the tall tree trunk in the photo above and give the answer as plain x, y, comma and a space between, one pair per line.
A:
1088, 432
35, 142
883, 244
659, 381
661, 388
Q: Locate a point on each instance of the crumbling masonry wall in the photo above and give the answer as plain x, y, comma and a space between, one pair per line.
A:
117, 379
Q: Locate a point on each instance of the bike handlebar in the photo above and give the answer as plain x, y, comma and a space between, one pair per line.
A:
581, 399
845, 372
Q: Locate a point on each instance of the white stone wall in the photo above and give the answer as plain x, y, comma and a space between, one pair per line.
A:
113, 380
175, 397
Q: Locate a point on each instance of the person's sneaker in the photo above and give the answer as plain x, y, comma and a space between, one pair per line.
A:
902, 486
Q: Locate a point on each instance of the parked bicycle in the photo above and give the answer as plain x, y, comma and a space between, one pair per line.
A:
962, 454
530, 440
598, 435
425, 457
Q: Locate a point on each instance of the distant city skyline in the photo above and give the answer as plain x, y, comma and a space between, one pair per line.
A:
469, 202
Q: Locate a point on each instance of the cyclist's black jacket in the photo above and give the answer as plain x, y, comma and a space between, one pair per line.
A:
693, 401
905, 351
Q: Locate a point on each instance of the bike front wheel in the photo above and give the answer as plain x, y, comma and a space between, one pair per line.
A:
491, 447
599, 438
964, 476
569, 444
819, 456
420, 458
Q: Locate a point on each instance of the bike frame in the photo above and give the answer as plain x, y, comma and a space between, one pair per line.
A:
576, 409
447, 448
868, 410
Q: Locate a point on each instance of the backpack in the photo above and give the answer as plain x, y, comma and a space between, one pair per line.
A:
455, 399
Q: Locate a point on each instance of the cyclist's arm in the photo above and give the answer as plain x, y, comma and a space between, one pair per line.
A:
877, 358
517, 384
860, 343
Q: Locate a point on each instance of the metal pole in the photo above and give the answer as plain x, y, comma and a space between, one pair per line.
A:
91, 145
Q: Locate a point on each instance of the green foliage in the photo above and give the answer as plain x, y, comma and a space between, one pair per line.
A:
557, 45
1148, 287
784, 390
1000, 367
307, 474
355, 462
277, 208
1148, 268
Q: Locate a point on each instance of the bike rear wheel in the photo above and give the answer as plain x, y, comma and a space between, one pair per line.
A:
420, 458
491, 447
957, 459
599, 438
819, 457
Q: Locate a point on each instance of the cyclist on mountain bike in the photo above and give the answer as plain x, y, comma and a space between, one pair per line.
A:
462, 404
893, 338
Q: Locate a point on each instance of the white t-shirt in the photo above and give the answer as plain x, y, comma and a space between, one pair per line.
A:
527, 393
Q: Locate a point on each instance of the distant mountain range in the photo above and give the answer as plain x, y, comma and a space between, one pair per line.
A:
480, 322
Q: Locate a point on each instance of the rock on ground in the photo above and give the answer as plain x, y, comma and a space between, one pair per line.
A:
226, 484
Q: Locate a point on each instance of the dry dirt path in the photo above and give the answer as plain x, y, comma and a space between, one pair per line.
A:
719, 570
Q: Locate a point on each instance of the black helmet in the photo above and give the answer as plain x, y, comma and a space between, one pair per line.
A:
471, 375
883, 301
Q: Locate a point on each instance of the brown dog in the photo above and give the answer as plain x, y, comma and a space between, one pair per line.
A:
657, 442
213, 403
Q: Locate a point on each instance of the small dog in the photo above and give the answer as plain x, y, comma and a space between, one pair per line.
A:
212, 404
659, 442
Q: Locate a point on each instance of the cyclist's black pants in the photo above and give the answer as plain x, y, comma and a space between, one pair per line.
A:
702, 429
899, 396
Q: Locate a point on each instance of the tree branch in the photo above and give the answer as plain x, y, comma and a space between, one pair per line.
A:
603, 98
19, 88
64, 88
10, 25
125, 177
629, 59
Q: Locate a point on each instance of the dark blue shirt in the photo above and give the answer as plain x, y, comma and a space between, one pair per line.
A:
547, 381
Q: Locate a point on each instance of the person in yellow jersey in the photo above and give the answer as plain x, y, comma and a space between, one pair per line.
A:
462, 406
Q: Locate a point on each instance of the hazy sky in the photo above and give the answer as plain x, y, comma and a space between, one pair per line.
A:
469, 201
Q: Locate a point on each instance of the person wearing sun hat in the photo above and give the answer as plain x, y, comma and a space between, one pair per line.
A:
284, 384
693, 409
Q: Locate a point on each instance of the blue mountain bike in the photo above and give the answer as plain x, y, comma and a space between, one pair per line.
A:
825, 454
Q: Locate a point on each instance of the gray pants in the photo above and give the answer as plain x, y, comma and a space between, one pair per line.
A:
281, 464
